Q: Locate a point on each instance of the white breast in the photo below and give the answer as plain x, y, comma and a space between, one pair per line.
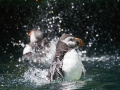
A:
72, 65
27, 49
33, 37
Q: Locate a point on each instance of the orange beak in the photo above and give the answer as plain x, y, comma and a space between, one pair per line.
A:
29, 34
81, 43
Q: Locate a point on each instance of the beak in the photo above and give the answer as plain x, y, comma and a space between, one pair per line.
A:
80, 42
29, 34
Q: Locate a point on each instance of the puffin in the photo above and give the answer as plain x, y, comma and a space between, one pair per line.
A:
67, 64
37, 48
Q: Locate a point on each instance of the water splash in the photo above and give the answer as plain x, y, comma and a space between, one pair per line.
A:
36, 57
50, 55
36, 76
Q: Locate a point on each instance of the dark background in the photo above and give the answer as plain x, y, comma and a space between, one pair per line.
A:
96, 21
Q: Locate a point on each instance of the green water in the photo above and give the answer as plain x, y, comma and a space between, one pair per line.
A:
11, 78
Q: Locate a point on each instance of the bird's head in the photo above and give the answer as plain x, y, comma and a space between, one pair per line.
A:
35, 35
72, 41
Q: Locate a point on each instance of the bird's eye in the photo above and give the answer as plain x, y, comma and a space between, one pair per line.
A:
72, 39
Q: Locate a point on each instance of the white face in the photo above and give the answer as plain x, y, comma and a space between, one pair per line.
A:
32, 37
70, 41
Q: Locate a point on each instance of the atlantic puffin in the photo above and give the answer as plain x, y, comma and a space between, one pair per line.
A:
67, 64
37, 48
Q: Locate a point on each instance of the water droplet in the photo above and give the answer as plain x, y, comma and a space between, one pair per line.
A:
97, 35
11, 56
95, 48
19, 41
53, 18
24, 26
72, 6
52, 12
60, 21
86, 32
38, 6
87, 16
2, 85
50, 22
84, 51
72, 3
17, 65
58, 25
51, 26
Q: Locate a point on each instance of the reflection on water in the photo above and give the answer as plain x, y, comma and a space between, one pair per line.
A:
96, 22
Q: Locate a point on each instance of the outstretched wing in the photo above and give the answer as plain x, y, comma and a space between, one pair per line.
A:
55, 70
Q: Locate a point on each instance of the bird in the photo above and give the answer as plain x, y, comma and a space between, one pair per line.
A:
36, 40
67, 64
37, 49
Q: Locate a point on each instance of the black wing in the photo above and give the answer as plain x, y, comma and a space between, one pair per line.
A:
55, 70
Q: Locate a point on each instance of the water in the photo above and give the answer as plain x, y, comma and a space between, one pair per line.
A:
18, 77
96, 22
